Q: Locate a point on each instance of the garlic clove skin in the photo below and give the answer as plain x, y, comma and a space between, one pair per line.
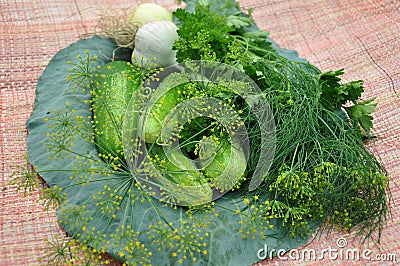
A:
153, 44
147, 12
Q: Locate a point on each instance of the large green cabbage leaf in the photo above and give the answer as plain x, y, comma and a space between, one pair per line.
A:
215, 231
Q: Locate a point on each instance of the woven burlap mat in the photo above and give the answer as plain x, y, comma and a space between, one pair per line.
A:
361, 36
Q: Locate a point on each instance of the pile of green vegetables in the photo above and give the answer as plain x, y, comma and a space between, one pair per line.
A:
321, 173
321, 170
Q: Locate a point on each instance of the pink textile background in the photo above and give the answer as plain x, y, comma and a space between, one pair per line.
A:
361, 36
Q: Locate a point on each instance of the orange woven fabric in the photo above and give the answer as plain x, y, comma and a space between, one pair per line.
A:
361, 36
